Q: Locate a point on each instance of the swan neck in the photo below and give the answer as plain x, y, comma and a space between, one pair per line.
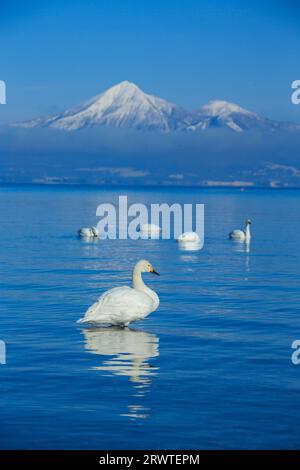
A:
137, 280
248, 231
138, 284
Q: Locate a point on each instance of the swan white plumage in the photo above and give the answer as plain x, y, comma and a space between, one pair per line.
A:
189, 237
124, 305
88, 232
242, 235
150, 229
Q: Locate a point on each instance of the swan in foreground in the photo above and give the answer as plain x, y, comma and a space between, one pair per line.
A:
189, 237
242, 235
124, 305
88, 232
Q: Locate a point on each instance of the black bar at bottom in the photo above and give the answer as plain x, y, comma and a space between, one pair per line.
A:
135, 459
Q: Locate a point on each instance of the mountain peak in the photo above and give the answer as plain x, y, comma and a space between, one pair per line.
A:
120, 92
122, 105
124, 86
221, 108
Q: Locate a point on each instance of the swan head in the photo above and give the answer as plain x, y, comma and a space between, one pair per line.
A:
248, 222
145, 266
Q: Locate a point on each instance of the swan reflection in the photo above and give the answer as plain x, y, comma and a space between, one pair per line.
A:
244, 247
241, 246
190, 246
126, 352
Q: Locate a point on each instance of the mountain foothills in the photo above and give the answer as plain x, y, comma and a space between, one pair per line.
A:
126, 106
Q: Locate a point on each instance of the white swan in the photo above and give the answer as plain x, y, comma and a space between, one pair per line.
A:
150, 229
88, 232
189, 237
123, 305
242, 235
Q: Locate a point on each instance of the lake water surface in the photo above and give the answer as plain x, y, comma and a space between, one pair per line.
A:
211, 368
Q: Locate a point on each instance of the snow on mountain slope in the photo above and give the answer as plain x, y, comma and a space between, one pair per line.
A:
126, 105
223, 108
123, 105
219, 113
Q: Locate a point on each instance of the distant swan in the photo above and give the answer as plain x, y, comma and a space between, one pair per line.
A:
150, 229
123, 305
88, 232
242, 235
188, 237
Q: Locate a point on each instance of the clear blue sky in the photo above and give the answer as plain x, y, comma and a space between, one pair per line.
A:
55, 54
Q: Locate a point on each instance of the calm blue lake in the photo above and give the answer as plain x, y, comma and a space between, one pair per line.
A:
211, 368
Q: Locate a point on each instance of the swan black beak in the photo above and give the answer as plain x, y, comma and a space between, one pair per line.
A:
155, 272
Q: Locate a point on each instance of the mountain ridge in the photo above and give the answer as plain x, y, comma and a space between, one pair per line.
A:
126, 105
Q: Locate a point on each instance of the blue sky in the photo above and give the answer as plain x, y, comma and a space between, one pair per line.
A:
55, 54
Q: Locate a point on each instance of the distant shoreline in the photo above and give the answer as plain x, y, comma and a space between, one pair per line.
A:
146, 186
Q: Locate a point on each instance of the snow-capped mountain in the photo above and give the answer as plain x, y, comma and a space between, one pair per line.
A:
224, 114
123, 105
220, 113
126, 105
